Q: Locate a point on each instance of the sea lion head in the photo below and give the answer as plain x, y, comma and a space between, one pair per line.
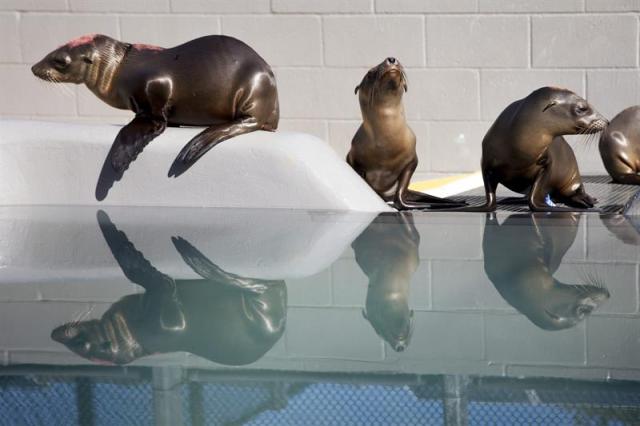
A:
558, 306
386, 82
566, 113
107, 340
74, 61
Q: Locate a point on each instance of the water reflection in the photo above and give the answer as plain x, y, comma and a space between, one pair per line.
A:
625, 228
520, 257
223, 317
387, 252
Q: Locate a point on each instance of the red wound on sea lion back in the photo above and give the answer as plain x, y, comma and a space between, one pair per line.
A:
85, 39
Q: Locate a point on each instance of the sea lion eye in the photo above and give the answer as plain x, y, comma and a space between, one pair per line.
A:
87, 60
61, 63
581, 109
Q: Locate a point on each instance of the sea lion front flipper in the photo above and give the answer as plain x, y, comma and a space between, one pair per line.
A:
208, 138
132, 262
208, 270
132, 139
421, 197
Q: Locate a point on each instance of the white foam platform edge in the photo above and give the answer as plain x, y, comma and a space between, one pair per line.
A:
59, 164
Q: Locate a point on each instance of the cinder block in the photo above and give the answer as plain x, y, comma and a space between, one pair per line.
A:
41, 33
220, 6
146, 6
96, 291
9, 34
613, 342
349, 283
24, 94
341, 134
612, 91
513, 339
33, 5
456, 146
365, 41
462, 241
319, 93
425, 6
523, 6
314, 127
585, 41
612, 240
337, 333
90, 105
477, 41
500, 88
321, 6
447, 336
166, 31
619, 278
442, 95
310, 291
463, 284
280, 40
613, 6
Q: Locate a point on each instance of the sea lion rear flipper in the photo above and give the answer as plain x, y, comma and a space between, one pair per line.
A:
132, 139
208, 270
207, 139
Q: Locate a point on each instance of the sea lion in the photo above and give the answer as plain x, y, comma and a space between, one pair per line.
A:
520, 257
620, 147
387, 253
383, 150
216, 81
524, 150
223, 317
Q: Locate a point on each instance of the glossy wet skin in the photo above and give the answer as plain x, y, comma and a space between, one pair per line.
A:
620, 147
383, 150
520, 257
222, 317
524, 150
214, 81
387, 253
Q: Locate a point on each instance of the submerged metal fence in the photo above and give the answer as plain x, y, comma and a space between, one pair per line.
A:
140, 396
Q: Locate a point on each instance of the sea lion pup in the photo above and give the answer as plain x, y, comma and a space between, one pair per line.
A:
387, 253
223, 317
216, 81
620, 147
524, 150
383, 150
520, 257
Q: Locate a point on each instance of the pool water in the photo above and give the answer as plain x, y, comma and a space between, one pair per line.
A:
231, 316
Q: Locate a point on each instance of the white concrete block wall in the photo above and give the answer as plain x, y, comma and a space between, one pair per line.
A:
466, 59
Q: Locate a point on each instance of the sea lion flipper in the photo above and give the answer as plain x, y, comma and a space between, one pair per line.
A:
207, 139
421, 197
132, 262
208, 270
132, 139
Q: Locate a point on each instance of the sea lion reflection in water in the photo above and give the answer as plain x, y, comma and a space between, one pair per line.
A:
520, 257
222, 317
387, 253
383, 150
215, 81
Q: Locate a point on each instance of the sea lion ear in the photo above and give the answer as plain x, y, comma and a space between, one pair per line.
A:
549, 105
87, 59
406, 88
355, 92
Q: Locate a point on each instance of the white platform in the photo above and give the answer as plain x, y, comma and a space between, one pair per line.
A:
60, 163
